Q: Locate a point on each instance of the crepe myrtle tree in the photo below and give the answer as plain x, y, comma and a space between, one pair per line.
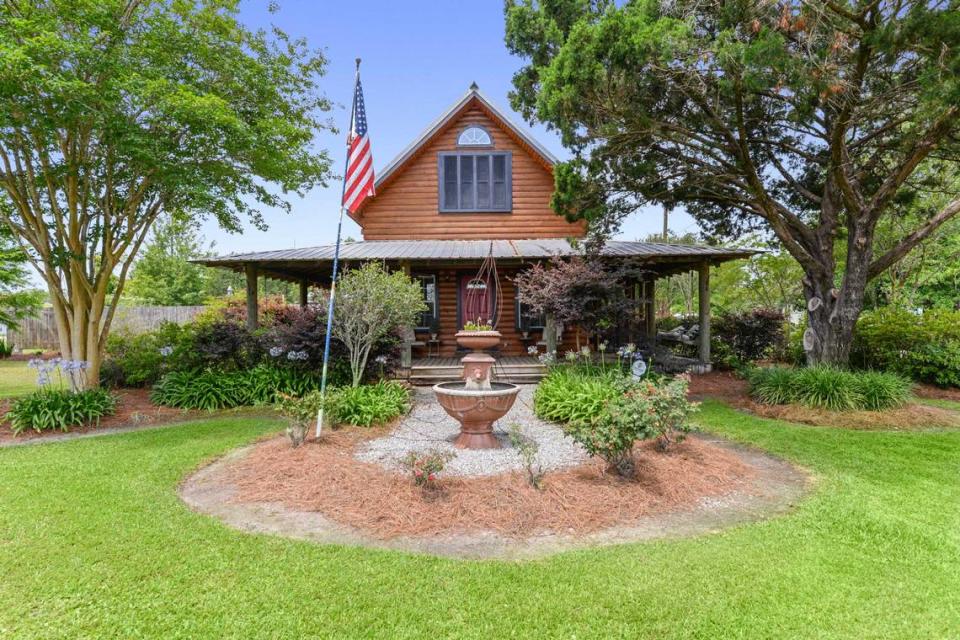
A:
814, 120
371, 303
115, 111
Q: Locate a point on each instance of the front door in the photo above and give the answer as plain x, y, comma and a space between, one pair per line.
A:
476, 300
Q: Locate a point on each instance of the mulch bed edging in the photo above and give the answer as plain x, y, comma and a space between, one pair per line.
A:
321, 492
134, 411
727, 387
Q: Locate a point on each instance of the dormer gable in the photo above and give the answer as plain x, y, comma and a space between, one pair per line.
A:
472, 174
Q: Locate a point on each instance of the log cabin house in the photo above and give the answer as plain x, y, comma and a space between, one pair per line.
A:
475, 184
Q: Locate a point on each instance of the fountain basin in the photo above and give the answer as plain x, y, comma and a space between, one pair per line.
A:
476, 410
478, 340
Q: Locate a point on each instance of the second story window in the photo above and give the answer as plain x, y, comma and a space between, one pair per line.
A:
475, 181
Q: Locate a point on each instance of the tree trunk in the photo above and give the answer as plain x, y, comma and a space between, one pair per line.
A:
78, 331
832, 314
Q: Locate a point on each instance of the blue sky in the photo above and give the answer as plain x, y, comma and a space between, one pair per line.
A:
419, 57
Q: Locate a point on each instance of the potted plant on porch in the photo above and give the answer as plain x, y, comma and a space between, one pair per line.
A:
434, 328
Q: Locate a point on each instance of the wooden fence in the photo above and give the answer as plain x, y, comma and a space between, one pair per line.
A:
41, 332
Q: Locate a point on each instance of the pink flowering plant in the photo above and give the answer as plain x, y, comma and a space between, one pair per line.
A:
425, 467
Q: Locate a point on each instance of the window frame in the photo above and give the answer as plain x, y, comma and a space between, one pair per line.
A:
464, 145
420, 277
508, 180
519, 306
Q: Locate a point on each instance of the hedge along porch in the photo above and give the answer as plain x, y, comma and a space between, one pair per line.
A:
446, 268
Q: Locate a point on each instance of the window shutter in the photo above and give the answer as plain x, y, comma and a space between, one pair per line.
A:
449, 178
483, 182
467, 199
500, 182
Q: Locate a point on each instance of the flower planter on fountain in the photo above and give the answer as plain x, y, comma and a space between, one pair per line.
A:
477, 402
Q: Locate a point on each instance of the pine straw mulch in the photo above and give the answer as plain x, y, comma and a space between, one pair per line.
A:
937, 393
324, 477
727, 387
134, 409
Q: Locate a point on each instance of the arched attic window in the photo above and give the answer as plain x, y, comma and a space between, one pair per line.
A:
474, 137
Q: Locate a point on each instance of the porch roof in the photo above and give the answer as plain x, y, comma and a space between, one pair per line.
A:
472, 250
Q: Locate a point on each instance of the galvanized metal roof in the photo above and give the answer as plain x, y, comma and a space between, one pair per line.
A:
474, 250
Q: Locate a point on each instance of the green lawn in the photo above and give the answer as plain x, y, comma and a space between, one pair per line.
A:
16, 378
95, 544
953, 405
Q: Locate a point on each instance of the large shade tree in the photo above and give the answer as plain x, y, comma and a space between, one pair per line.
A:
814, 120
114, 111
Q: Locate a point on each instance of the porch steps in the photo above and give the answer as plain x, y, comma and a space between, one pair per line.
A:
430, 374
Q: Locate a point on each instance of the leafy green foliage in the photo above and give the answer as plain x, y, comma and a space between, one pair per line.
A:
301, 411
425, 467
739, 338
369, 405
17, 301
527, 448
371, 304
134, 108
573, 394
164, 274
645, 410
137, 360
59, 409
829, 388
211, 390
784, 117
477, 326
924, 347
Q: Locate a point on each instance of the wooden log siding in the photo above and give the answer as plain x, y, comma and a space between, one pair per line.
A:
408, 207
447, 282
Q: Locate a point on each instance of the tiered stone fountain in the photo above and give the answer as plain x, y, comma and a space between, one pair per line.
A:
477, 402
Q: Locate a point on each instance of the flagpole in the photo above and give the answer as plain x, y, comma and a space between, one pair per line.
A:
336, 262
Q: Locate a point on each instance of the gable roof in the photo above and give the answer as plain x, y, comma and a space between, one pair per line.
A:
472, 96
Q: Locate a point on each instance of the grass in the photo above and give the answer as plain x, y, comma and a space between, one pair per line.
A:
16, 379
95, 544
952, 405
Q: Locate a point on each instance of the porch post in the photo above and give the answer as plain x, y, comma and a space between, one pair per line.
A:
409, 332
703, 282
650, 309
550, 333
303, 294
251, 271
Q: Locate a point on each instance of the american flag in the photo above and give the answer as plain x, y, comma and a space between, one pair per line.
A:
358, 181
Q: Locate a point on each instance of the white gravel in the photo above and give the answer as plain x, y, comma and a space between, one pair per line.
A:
428, 427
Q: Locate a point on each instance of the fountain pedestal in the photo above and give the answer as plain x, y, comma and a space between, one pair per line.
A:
477, 402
